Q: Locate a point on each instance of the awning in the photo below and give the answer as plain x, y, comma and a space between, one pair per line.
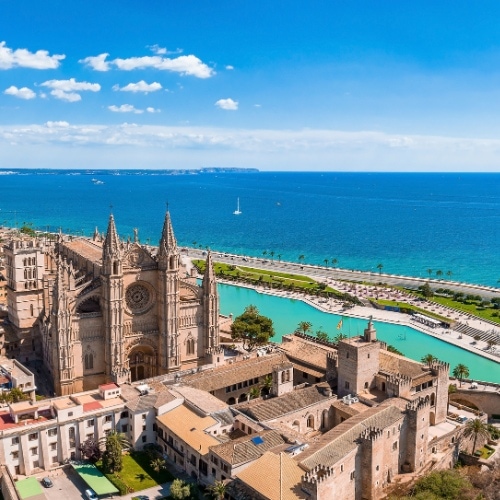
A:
95, 478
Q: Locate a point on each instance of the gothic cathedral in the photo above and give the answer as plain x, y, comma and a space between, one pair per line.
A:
107, 310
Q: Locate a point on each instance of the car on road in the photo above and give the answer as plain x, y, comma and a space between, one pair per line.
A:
90, 494
47, 482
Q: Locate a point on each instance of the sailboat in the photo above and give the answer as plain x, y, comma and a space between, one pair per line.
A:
237, 211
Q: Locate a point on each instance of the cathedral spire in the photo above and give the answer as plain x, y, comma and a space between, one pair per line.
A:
168, 245
111, 247
209, 274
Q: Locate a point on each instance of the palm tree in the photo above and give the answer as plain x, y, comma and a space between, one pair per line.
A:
304, 326
334, 262
253, 393
264, 253
429, 271
279, 257
460, 372
339, 337
449, 273
474, 429
301, 258
267, 384
157, 464
271, 253
428, 359
439, 273
322, 335
379, 267
114, 444
326, 262
217, 490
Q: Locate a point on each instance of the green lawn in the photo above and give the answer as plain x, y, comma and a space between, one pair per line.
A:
137, 475
410, 307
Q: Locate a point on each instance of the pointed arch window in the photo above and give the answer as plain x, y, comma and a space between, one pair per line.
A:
310, 422
190, 347
89, 361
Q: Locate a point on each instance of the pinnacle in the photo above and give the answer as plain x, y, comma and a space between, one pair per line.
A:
111, 243
168, 244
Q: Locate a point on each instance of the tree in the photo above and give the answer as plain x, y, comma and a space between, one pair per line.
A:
271, 253
157, 464
429, 272
304, 327
334, 262
267, 384
302, 258
379, 267
442, 484
253, 393
326, 262
264, 253
90, 450
439, 273
460, 372
426, 290
279, 257
428, 359
475, 428
322, 335
339, 337
392, 349
114, 444
179, 489
449, 274
252, 328
218, 490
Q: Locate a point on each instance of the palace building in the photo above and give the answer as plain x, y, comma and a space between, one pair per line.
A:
104, 310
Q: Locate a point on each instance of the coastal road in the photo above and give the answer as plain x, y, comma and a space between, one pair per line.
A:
323, 273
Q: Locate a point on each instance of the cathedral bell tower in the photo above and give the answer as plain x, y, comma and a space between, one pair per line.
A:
169, 298
112, 279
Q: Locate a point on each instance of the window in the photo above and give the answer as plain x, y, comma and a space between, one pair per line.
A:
346, 385
34, 451
143, 416
190, 347
124, 428
342, 468
310, 422
90, 423
15, 440
108, 418
395, 445
70, 414
53, 446
15, 454
144, 427
54, 459
124, 414
89, 361
143, 439
33, 436
52, 432
36, 464
352, 475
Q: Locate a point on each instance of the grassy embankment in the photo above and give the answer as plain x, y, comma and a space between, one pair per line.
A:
273, 279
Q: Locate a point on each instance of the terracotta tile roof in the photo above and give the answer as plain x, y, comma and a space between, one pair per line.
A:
275, 407
85, 248
200, 399
218, 378
337, 443
282, 477
108, 387
393, 363
306, 351
189, 427
244, 449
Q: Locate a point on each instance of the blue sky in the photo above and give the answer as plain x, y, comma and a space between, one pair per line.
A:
277, 85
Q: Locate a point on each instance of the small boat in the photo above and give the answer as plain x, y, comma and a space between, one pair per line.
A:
237, 211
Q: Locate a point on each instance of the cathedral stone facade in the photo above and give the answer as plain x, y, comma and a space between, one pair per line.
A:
101, 310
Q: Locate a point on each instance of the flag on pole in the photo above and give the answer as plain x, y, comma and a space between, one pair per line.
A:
340, 323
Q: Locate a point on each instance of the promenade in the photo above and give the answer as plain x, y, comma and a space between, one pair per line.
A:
363, 291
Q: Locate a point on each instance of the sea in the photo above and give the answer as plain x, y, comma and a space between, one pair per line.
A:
437, 225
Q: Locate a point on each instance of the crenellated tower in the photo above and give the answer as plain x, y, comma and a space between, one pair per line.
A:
417, 433
169, 298
116, 366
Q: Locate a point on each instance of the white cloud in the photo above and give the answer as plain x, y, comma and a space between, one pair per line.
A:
257, 105
158, 50
185, 65
152, 110
98, 63
229, 67
66, 90
57, 124
22, 93
141, 86
318, 149
125, 108
227, 104
23, 58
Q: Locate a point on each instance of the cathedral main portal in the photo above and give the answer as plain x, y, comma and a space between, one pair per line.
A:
142, 363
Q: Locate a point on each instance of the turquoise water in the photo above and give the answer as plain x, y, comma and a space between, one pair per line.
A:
287, 313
